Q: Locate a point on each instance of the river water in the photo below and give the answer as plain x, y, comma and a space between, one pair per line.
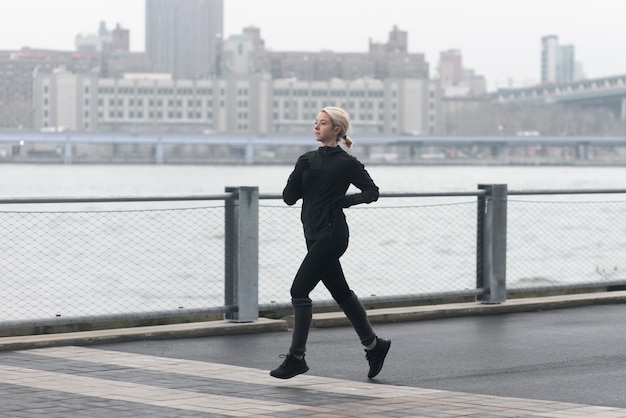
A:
145, 180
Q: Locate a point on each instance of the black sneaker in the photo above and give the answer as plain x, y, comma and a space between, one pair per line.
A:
291, 367
376, 356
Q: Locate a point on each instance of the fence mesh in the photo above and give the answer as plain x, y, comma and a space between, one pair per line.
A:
57, 264
553, 243
393, 250
96, 262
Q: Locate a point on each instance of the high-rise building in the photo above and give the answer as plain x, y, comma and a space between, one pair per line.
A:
451, 70
182, 36
117, 59
558, 64
457, 80
549, 46
566, 64
93, 42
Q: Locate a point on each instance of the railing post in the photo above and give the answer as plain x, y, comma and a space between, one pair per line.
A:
241, 260
491, 243
67, 151
159, 152
230, 250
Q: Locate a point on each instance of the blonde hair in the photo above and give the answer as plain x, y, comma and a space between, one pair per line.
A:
340, 118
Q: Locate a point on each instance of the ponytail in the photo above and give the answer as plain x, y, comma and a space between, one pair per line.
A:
340, 118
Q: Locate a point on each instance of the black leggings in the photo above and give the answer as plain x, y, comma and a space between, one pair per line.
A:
322, 263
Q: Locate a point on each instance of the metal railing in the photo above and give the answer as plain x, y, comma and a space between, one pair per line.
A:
78, 262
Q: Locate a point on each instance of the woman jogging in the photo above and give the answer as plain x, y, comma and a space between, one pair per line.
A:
321, 178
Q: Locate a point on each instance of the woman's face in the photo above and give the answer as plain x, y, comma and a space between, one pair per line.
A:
324, 130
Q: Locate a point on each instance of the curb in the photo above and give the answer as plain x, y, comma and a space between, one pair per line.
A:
156, 332
417, 313
320, 320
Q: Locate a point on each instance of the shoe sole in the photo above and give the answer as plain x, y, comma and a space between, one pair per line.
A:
290, 376
373, 375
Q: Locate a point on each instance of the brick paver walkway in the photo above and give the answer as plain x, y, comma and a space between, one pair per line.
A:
76, 381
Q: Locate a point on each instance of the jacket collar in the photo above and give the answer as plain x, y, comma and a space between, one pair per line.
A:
330, 150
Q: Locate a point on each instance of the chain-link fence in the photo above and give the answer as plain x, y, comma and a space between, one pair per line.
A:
565, 242
101, 262
411, 247
88, 261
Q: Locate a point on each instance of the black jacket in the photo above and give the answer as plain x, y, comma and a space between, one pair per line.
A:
321, 178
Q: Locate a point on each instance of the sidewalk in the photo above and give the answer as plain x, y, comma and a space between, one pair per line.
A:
65, 375
77, 381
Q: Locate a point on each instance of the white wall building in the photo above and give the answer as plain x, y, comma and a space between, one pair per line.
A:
236, 104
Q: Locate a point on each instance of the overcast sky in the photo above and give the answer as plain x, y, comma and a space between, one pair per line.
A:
500, 39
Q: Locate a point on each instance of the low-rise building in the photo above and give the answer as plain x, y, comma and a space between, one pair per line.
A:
251, 103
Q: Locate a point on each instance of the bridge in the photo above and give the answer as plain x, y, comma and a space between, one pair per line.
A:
77, 147
607, 92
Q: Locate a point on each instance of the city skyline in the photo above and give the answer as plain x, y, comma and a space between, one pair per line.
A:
498, 40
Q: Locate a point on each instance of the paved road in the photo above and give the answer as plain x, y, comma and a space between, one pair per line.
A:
567, 355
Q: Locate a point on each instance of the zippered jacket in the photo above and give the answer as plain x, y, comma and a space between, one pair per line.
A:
321, 179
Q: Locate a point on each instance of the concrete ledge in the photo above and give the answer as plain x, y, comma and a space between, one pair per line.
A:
187, 330
320, 320
416, 313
